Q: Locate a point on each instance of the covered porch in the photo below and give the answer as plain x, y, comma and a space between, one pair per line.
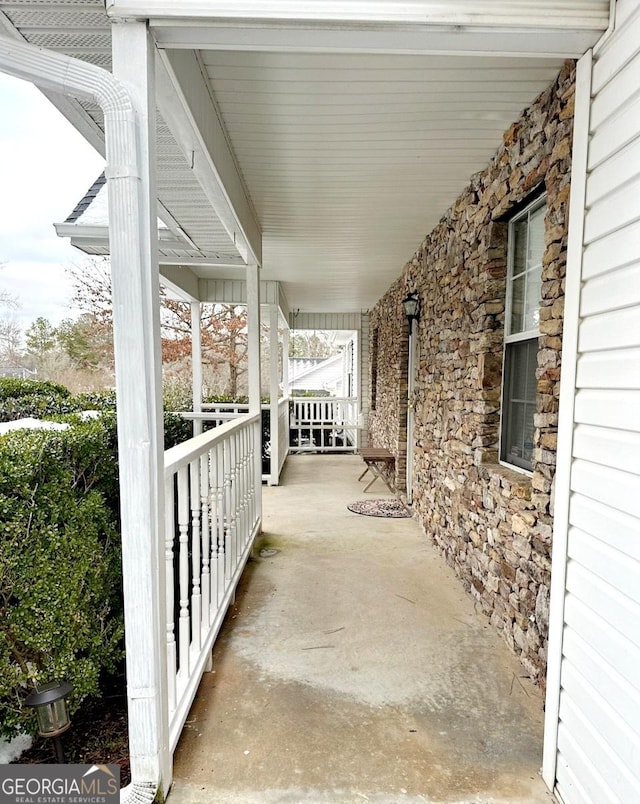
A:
313, 149
353, 667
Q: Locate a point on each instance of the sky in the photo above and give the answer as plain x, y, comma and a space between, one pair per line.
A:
45, 169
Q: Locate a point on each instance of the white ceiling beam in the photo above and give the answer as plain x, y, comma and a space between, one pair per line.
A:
187, 107
415, 40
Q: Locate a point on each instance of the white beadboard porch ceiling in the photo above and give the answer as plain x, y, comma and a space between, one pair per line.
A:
350, 159
351, 126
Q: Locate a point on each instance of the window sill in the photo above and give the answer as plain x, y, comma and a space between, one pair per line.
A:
510, 482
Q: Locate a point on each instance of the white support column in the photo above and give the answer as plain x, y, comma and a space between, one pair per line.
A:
274, 388
566, 415
286, 333
136, 325
253, 337
196, 365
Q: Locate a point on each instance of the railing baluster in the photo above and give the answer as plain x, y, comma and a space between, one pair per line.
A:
183, 541
222, 515
213, 530
196, 543
169, 529
205, 524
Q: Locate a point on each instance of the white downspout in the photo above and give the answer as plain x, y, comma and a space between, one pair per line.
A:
71, 77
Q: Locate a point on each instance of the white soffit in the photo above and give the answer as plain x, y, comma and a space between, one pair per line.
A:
81, 28
351, 159
355, 125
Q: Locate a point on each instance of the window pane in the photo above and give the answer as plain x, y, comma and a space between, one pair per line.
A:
519, 403
531, 315
519, 235
536, 237
517, 304
525, 271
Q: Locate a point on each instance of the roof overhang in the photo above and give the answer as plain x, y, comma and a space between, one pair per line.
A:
527, 27
322, 140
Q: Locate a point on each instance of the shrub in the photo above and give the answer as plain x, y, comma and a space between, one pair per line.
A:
60, 610
176, 429
10, 387
20, 399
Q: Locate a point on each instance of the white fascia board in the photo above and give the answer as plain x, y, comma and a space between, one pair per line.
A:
584, 14
188, 109
97, 237
526, 28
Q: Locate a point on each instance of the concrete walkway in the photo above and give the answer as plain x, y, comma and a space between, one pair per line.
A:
353, 668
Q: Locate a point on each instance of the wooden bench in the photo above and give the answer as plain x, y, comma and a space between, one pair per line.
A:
376, 459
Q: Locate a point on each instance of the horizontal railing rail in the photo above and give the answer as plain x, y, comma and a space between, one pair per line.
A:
212, 515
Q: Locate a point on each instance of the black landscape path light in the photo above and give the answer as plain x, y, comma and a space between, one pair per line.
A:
52, 711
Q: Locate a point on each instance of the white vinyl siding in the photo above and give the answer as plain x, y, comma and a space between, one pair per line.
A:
597, 685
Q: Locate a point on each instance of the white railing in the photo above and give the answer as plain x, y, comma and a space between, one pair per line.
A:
212, 515
218, 413
283, 433
324, 424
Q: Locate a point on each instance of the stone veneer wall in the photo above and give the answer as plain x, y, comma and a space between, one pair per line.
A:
492, 524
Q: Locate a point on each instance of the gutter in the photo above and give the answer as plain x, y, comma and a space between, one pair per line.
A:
77, 79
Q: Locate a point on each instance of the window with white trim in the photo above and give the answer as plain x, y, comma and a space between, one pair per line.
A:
522, 321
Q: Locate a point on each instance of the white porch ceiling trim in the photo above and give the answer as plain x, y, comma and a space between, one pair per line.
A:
186, 105
515, 27
479, 13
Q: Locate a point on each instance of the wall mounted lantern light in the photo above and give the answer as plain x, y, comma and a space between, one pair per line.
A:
412, 308
50, 703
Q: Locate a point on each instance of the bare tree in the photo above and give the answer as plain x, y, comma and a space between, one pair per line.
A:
223, 326
10, 330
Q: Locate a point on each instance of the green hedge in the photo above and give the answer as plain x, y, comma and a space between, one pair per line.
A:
60, 598
20, 399
61, 613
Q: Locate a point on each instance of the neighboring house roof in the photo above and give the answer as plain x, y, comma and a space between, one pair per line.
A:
320, 374
88, 228
87, 201
18, 372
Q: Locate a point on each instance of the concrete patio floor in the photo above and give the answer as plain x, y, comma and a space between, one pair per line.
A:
353, 668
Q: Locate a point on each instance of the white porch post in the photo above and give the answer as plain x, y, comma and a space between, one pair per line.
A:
253, 336
136, 324
196, 365
286, 390
274, 387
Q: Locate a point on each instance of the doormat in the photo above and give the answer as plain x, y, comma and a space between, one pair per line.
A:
387, 508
